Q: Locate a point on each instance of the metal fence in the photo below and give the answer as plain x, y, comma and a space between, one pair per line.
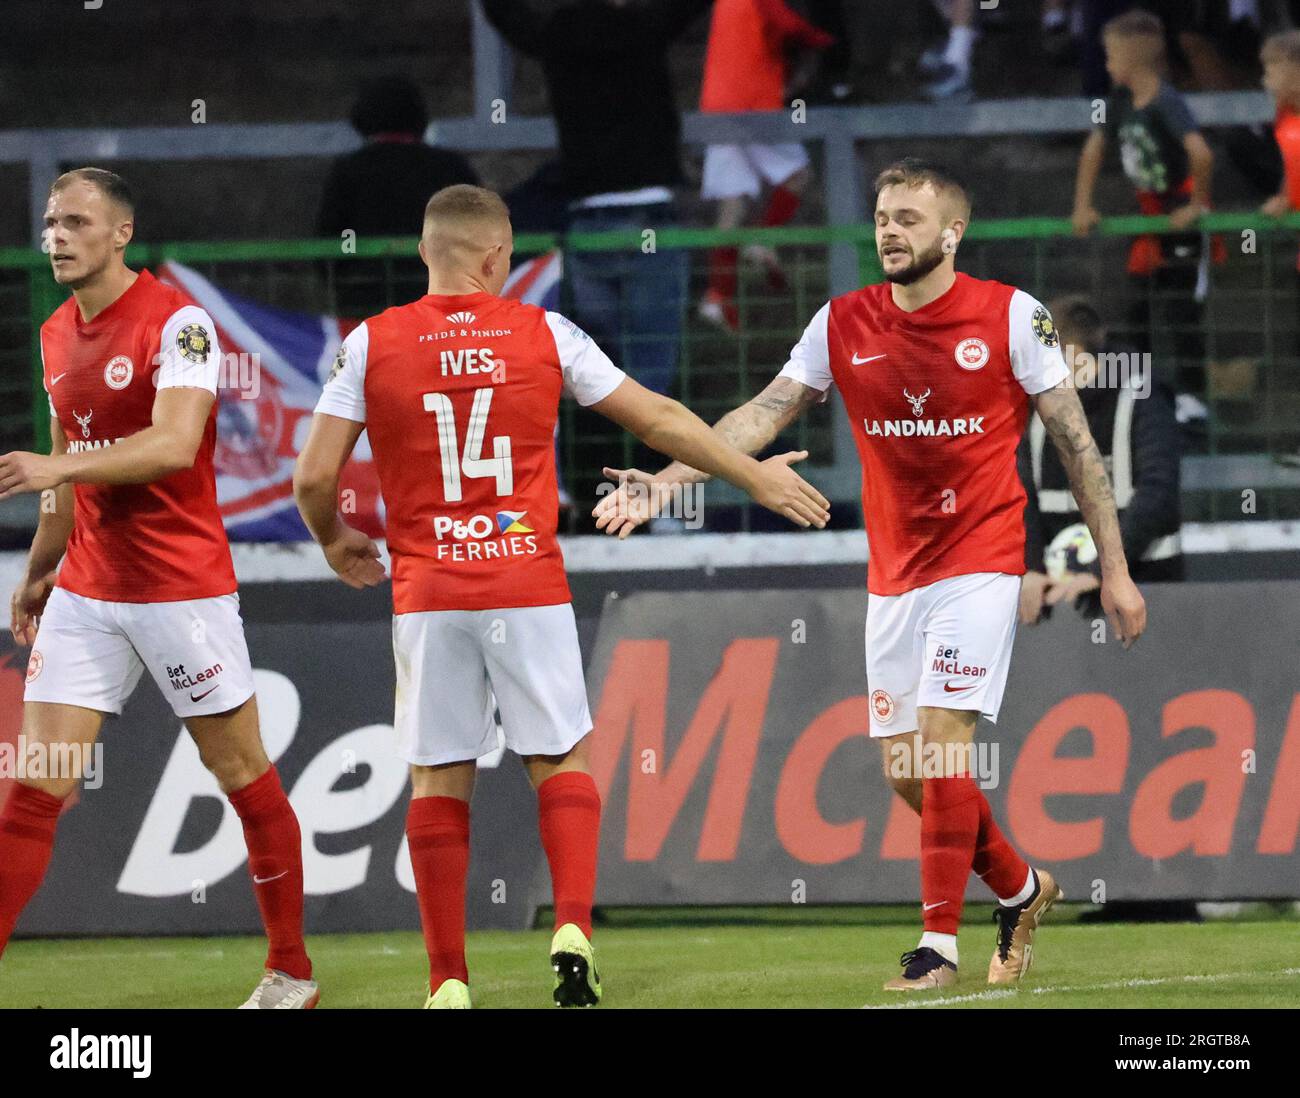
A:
1246, 332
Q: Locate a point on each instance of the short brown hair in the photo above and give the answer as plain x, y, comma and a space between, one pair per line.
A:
112, 185
1139, 25
465, 202
1284, 47
1078, 321
913, 172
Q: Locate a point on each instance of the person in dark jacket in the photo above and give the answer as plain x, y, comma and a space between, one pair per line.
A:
1132, 418
381, 190
606, 68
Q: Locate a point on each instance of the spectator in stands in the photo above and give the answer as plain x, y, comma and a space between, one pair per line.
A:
605, 64
1132, 418
1170, 165
381, 189
949, 68
745, 70
835, 75
1093, 16
1281, 58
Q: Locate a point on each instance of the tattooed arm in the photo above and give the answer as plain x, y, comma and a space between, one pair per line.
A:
750, 428
753, 426
1067, 426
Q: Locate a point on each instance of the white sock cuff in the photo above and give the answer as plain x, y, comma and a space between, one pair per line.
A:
943, 944
1021, 896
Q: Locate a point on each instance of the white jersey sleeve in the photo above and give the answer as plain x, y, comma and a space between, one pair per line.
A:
344, 394
810, 358
589, 375
1035, 346
188, 353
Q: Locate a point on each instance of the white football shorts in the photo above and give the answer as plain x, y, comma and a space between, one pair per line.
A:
91, 653
454, 667
946, 645
733, 171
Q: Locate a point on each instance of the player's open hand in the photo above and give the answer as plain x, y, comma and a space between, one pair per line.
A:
355, 558
21, 471
779, 488
637, 499
1126, 609
26, 607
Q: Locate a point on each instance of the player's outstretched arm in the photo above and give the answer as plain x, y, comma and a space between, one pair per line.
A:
750, 428
167, 446
352, 555
1063, 416
673, 429
48, 546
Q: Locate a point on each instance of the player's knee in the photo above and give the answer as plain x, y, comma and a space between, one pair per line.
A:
233, 763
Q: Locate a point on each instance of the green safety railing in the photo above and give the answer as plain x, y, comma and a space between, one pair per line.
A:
1250, 318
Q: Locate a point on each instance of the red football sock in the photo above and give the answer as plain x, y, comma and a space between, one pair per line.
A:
722, 274
26, 840
437, 829
996, 862
274, 843
781, 207
950, 820
568, 811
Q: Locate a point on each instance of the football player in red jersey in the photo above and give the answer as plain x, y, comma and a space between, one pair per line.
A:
482, 614
938, 372
146, 580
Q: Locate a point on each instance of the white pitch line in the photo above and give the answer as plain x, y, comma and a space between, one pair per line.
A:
1114, 985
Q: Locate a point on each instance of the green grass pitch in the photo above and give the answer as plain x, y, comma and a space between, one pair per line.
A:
724, 957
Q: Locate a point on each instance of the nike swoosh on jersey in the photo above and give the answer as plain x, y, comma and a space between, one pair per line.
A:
55, 380
203, 695
863, 361
948, 688
928, 907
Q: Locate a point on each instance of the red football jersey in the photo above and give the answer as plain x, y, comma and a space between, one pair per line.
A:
460, 397
159, 542
938, 399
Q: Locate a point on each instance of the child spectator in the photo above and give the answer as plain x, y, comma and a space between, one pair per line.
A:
1167, 160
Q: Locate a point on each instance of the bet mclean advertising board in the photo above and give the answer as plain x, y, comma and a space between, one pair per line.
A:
732, 754
735, 765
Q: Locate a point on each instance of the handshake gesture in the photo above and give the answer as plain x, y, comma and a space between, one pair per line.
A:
641, 496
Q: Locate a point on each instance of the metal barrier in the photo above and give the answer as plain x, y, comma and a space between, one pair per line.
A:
1248, 325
